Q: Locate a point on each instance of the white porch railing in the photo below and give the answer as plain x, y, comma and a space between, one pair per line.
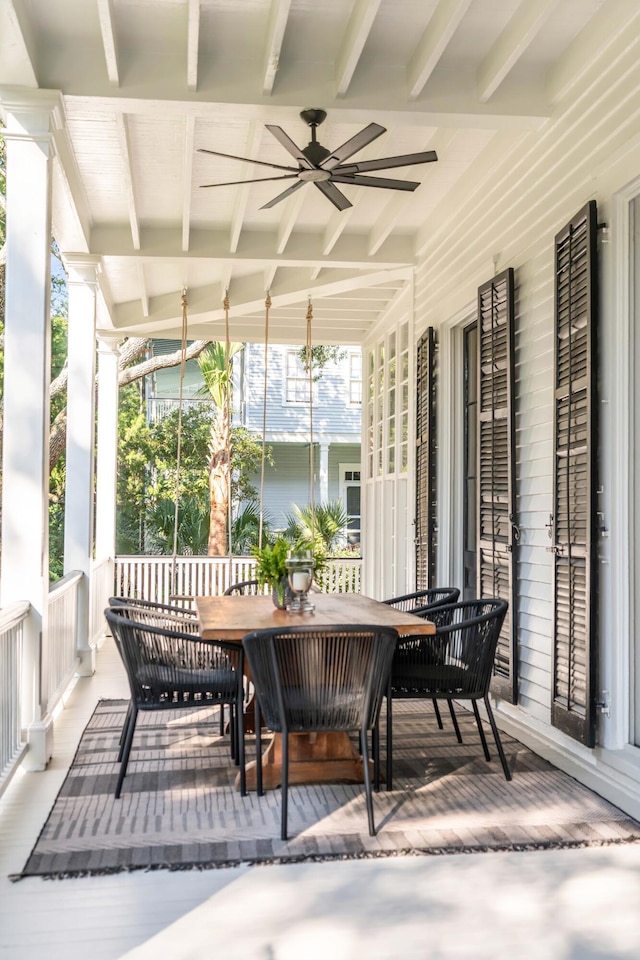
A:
101, 588
12, 746
59, 651
160, 578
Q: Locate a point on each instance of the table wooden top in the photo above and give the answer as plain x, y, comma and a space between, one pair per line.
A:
230, 618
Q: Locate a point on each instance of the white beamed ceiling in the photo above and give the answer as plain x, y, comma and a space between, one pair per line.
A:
145, 83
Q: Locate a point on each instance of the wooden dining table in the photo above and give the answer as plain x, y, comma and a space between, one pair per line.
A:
313, 757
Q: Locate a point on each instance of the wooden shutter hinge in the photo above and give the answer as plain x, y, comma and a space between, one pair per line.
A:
604, 532
603, 706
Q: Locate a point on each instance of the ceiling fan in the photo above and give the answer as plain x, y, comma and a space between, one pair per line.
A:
325, 168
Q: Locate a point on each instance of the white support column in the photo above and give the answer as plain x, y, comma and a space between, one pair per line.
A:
78, 514
27, 356
324, 472
107, 447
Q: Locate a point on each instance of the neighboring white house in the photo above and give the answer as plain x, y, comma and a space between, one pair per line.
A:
336, 427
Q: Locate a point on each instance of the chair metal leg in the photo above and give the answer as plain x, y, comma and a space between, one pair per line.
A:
485, 746
389, 742
454, 720
240, 736
496, 737
367, 781
126, 751
436, 710
375, 745
285, 784
258, 721
123, 732
222, 719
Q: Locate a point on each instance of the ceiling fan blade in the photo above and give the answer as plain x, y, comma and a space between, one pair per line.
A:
366, 136
238, 183
283, 196
376, 182
289, 145
332, 193
385, 163
231, 156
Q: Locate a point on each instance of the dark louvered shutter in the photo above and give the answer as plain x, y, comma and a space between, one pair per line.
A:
426, 533
573, 523
496, 463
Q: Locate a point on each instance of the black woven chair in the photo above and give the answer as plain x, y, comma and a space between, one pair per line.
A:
421, 603
245, 587
424, 599
454, 664
170, 669
167, 611
309, 680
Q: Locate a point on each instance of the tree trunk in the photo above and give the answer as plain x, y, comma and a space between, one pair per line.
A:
219, 467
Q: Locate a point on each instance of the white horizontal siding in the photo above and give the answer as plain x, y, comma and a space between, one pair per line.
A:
589, 149
333, 413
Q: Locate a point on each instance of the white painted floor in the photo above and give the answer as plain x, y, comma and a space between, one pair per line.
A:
553, 905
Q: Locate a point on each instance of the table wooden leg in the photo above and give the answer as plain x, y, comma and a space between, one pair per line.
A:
313, 758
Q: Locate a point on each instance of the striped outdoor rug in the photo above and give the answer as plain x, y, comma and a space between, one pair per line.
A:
179, 807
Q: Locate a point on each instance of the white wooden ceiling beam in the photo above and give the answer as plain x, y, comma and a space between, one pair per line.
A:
360, 23
252, 146
292, 207
142, 284
258, 246
269, 276
387, 221
278, 16
225, 279
125, 151
336, 225
248, 298
440, 29
518, 34
193, 43
109, 45
17, 37
187, 182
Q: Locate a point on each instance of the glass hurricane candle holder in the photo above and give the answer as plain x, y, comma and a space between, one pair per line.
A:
300, 574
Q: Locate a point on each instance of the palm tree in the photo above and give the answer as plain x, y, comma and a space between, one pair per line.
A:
325, 525
216, 370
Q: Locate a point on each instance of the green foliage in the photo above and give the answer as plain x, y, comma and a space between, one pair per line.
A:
213, 367
321, 355
245, 529
147, 459
325, 525
271, 559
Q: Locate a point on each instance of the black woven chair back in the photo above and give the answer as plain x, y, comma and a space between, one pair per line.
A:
168, 668
422, 601
163, 614
457, 662
309, 679
246, 587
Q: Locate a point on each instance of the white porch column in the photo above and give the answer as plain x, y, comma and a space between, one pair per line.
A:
27, 352
107, 447
323, 472
78, 514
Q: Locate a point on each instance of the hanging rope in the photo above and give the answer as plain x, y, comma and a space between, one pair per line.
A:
183, 364
309, 361
267, 307
227, 416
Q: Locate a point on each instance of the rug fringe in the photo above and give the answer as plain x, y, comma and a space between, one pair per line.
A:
332, 857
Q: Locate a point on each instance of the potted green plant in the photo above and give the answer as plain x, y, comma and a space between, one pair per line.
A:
271, 564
